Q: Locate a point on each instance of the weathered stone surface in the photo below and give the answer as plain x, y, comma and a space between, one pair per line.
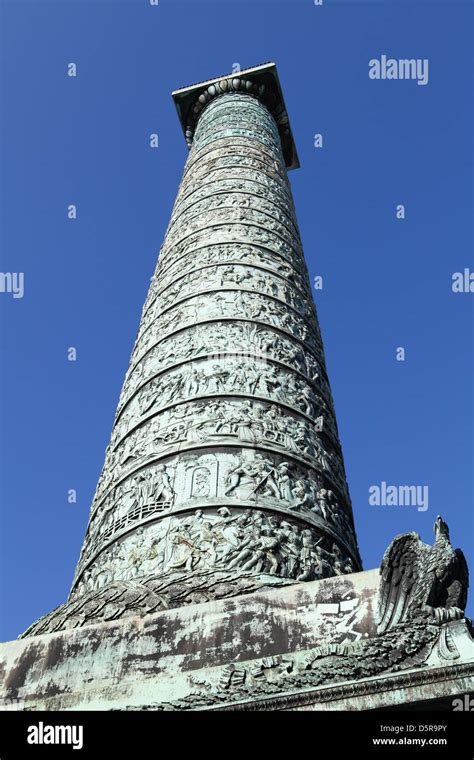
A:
302, 646
143, 595
106, 663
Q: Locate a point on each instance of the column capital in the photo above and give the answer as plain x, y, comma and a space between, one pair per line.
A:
261, 82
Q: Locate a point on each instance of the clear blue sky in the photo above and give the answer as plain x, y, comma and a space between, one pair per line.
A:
387, 283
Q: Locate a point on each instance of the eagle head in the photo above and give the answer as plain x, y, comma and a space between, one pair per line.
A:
440, 528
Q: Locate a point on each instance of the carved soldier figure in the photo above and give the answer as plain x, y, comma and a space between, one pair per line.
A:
249, 545
184, 552
302, 496
267, 477
265, 550
284, 481
306, 555
219, 376
162, 485
245, 471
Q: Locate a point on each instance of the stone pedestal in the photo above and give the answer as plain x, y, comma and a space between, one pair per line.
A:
299, 647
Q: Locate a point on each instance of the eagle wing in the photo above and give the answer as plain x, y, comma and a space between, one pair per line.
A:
400, 571
459, 581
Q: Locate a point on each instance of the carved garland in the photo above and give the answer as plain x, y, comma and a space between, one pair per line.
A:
238, 84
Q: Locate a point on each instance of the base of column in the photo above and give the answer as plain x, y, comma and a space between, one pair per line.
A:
298, 647
144, 595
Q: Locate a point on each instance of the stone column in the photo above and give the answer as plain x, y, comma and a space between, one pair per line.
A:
224, 458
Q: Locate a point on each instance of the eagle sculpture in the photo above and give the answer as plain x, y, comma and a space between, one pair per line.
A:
418, 579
